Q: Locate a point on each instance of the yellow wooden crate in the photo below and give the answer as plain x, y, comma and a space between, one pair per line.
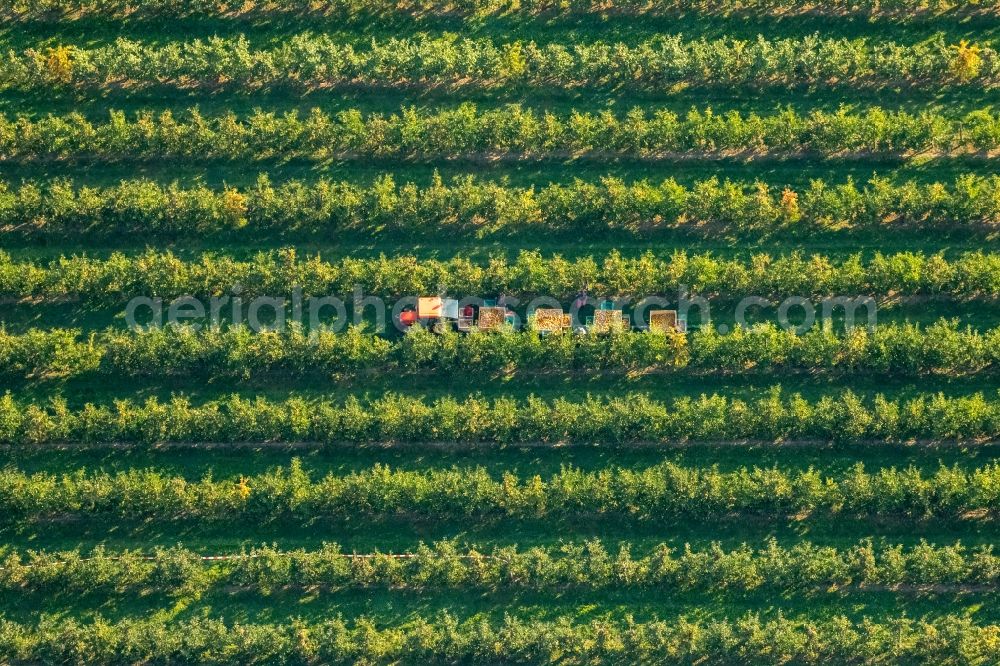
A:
551, 320
491, 319
608, 320
663, 321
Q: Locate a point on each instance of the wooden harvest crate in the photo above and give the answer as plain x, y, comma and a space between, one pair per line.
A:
551, 320
663, 321
490, 319
608, 320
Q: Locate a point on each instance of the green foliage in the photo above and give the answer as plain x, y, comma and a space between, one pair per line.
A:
469, 205
508, 130
65, 10
663, 491
444, 639
235, 351
804, 567
934, 78
839, 417
119, 277
308, 61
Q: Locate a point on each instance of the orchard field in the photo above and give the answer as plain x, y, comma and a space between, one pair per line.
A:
209, 493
